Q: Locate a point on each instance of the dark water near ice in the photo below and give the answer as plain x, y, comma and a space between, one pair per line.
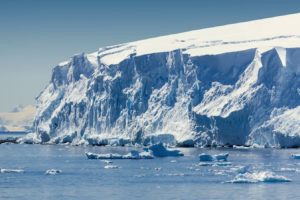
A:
138, 179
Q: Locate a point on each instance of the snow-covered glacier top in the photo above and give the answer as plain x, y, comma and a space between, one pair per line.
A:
267, 33
229, 85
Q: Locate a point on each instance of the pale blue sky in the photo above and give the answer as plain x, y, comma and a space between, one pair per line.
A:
35, 35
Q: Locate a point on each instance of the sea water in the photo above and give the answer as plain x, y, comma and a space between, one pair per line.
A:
160, 178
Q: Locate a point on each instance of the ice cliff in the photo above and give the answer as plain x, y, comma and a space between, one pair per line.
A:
231, 85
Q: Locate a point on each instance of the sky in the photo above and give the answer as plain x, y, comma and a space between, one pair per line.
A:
35, 35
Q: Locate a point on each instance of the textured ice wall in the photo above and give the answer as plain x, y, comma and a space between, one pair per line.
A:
227, 99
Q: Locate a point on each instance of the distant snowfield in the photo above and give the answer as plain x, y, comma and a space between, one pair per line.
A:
20, 119
229, 85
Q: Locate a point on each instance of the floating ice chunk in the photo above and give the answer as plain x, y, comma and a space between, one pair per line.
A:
132, 155
103, 156
11, 170
173, 161
205, 157
111, 167
138, 155
296, 156
204, 164
222, 164
209, 158
53, 171
221, 157
107, 161
159, 150
241, 147
257, 177
176, 174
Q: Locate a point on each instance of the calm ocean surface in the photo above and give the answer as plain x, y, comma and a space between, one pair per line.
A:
160, 178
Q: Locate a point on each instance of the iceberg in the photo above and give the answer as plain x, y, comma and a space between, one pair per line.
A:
208, 158
11, 171
205, 157
131, 155
221, 157
221, 86
138, 155
53, 171
103, 156
159, 150
257, 177
296, 156
107, 161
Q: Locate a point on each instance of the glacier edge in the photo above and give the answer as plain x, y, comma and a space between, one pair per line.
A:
233, 98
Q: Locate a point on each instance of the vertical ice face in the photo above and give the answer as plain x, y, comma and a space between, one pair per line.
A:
169, 89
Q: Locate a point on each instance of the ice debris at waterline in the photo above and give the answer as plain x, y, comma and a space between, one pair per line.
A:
296, 156
11, 171
257, 177
159, 150
53, 171
131, 155
209, 158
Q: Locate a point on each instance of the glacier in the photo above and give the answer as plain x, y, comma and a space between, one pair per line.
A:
237, 84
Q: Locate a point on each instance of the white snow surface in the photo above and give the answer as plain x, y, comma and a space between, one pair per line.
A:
237, 84
279, 31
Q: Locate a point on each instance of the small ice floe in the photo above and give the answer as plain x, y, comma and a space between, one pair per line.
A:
213, 164
205, 164
103, 156
139, 155
241, 147
11, 171
53, 171
296, 156
107, 161
205, 157
131, 155
222, 164
221, 157
176, 174
173, 161
111, 167
159, 150
259, 177
209, 158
